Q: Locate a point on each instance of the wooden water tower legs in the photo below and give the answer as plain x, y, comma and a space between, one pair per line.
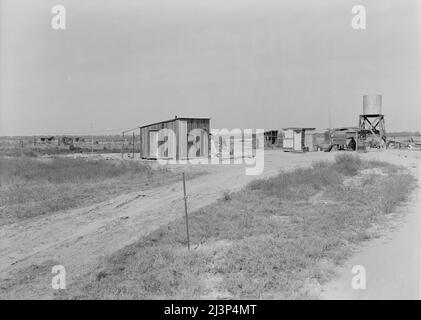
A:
373, 125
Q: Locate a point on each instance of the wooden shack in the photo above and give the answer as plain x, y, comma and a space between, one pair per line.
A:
273, 138
299, 139
152, 136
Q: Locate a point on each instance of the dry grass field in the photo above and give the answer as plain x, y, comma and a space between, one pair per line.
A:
31, 186
279, 237
301, 221
39, 145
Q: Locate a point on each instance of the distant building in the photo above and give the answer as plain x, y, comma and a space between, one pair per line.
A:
273, 138
299, 139
152, 136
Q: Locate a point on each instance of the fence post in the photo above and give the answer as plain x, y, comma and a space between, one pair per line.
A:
133, 146
185, 209
122, 147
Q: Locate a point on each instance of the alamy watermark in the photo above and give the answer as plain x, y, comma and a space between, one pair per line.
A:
358, 21
223, 146
58, 21
358, 281
58, 282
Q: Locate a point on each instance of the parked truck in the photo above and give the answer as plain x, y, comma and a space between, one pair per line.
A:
345, 138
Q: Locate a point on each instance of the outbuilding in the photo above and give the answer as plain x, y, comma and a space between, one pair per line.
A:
273, 138
299, 139
185, 132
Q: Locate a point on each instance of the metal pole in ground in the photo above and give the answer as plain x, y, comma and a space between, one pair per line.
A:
92, 140
185, 209
133, 146
242, 144
140, 143
122, 147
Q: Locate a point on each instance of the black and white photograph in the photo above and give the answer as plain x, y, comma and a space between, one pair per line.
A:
222, 152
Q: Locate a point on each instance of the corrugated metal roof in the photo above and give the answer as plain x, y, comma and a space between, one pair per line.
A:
171, 120
298, 128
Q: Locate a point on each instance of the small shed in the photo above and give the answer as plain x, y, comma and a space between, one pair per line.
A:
273, 138
299, 139
152, 136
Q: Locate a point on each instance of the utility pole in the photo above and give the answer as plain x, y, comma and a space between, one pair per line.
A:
92, 139
140, 143
133, 145
122, 146
330, 119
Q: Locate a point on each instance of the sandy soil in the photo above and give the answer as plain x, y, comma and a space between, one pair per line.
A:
77, 238
393, 261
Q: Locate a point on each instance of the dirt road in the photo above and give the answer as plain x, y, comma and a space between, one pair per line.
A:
77, 238
392, 262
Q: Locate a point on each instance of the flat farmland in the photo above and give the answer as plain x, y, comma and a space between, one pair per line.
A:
84, 238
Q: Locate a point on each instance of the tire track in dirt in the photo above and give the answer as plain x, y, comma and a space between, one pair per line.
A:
77, 238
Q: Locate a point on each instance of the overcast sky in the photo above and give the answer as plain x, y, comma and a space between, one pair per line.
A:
245, 63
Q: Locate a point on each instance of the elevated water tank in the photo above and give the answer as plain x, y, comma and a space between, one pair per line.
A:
372, 104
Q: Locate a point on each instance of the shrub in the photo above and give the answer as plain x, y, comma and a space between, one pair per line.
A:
348, 164
29, 153
299, 184
227, 196
395, 191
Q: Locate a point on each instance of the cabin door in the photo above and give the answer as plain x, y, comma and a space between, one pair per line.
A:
153, 144
297, 141
288, 139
